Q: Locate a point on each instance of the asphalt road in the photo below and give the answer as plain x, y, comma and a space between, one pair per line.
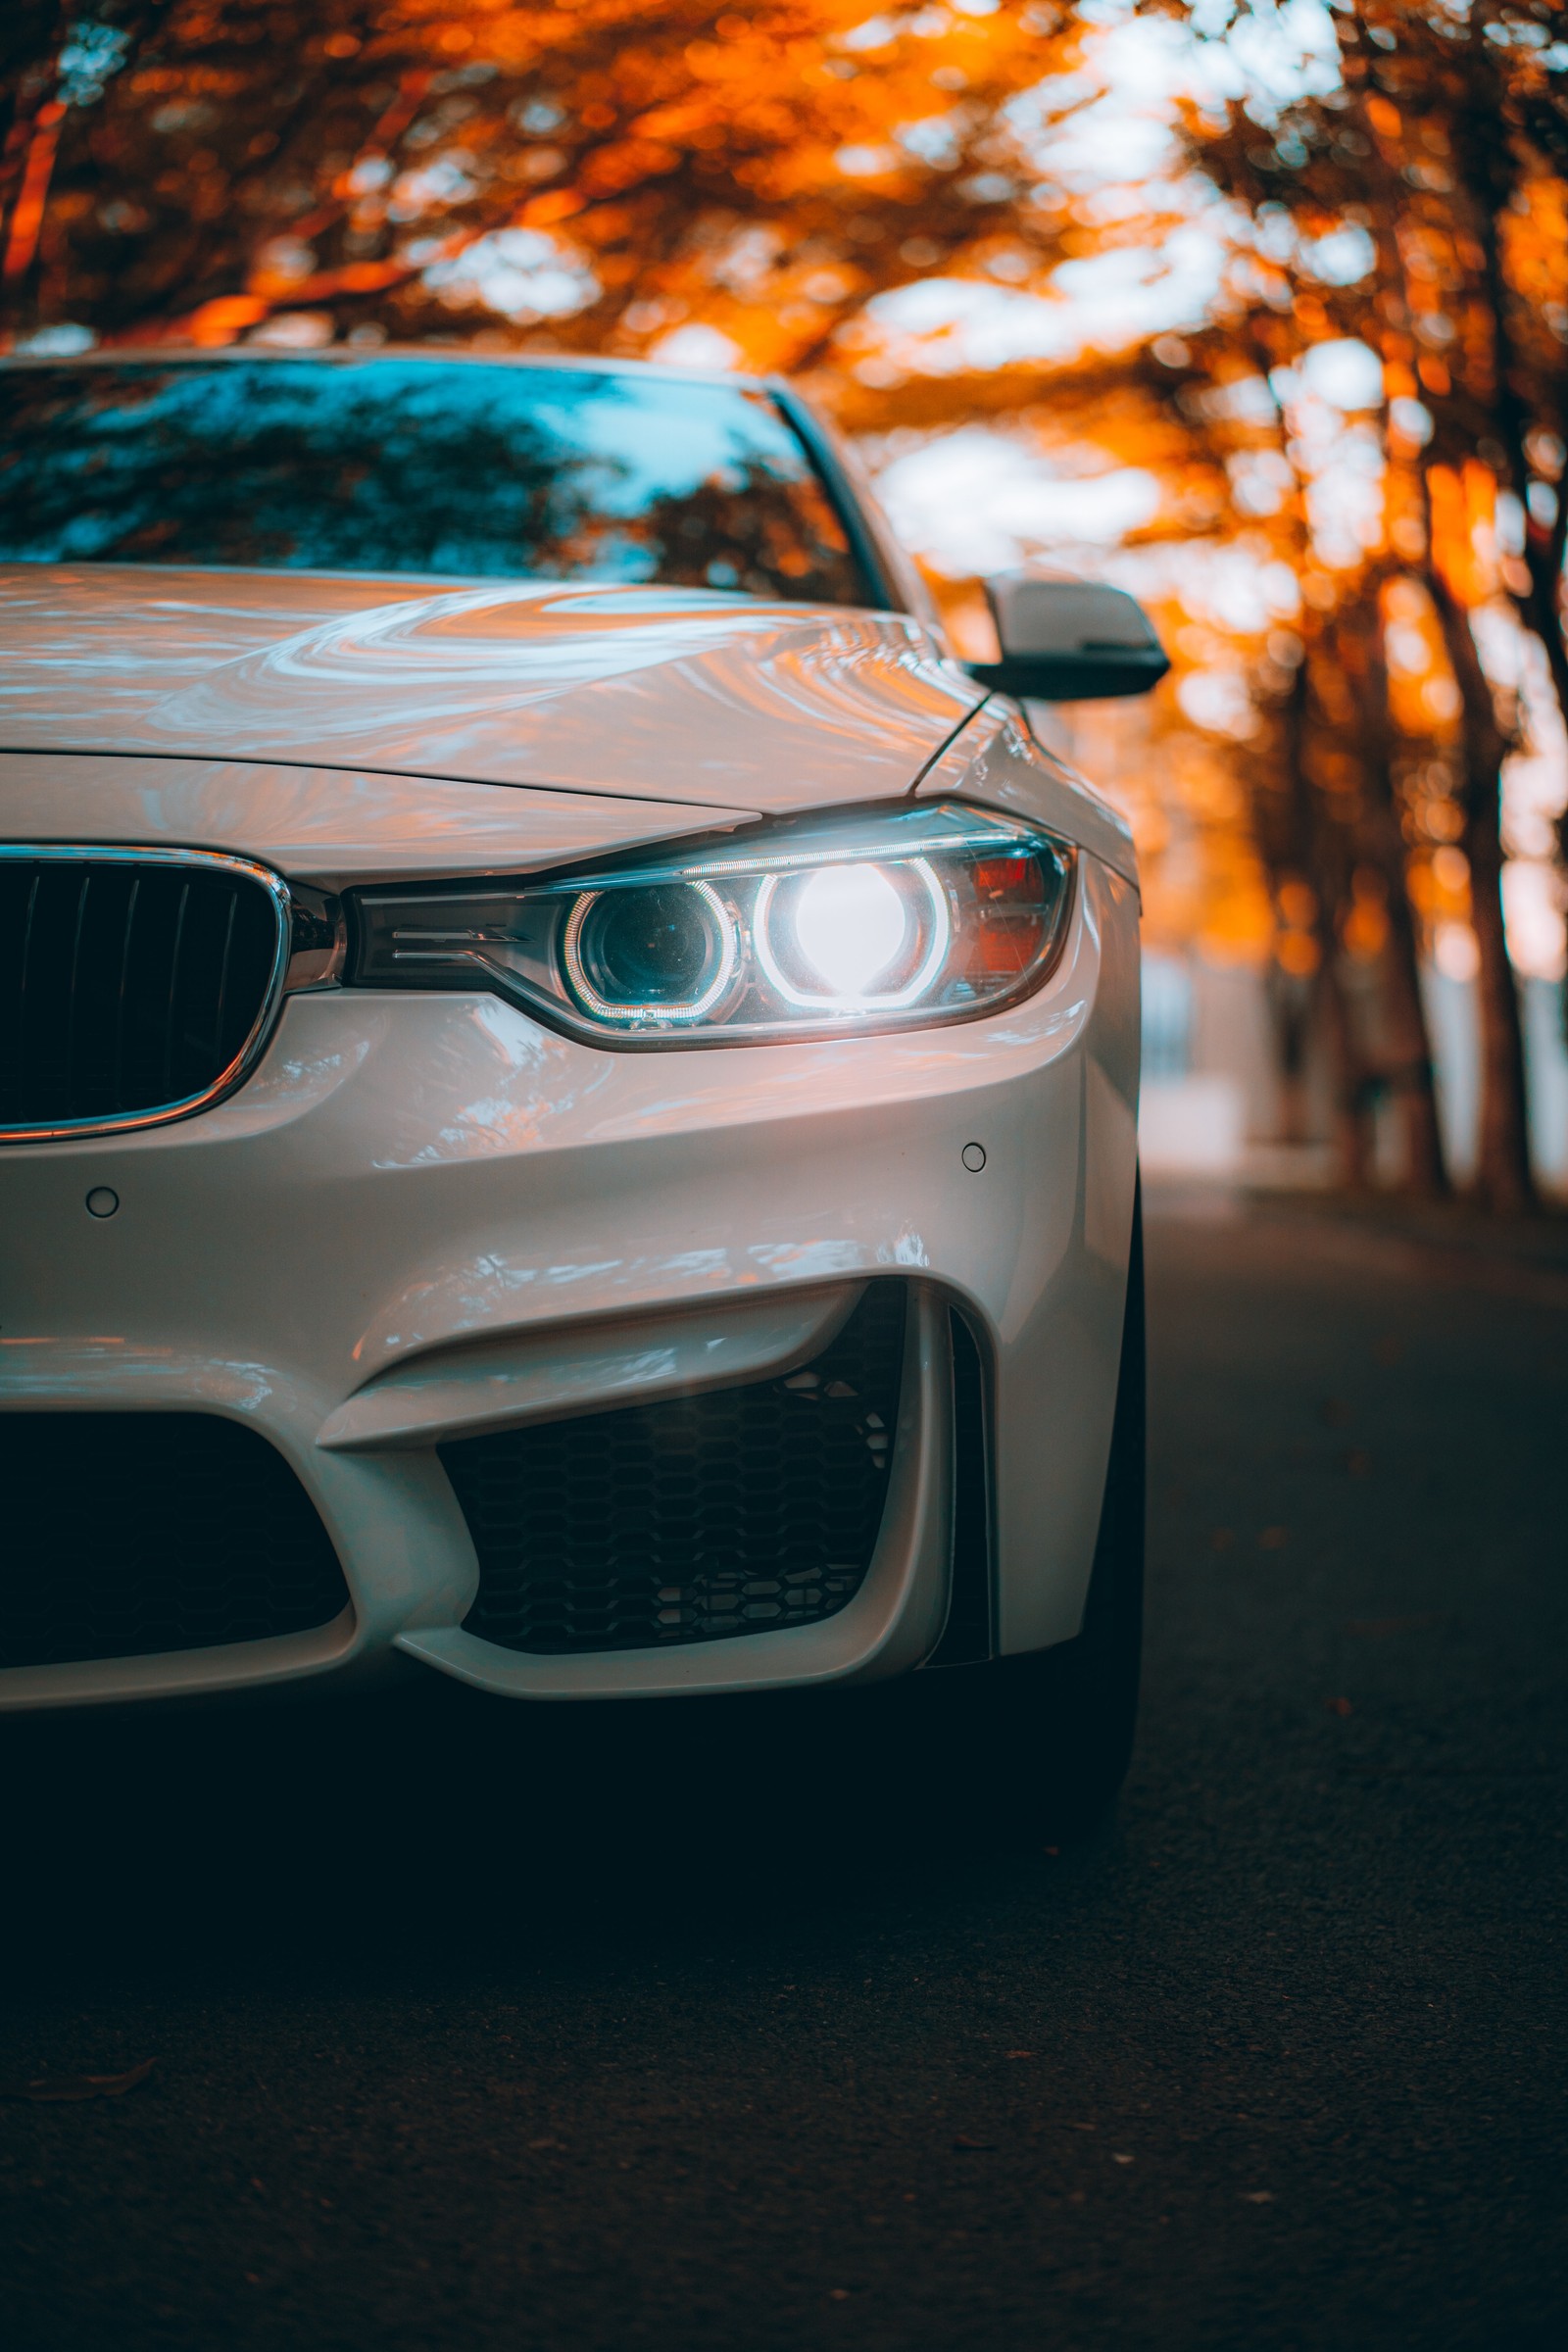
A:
614, 2032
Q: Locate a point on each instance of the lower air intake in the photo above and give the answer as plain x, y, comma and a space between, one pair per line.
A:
129, 1534
740, 1511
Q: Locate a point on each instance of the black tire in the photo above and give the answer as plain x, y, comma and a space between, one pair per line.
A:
1048, 1738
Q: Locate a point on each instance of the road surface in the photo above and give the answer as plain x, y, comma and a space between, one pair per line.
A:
617, 2032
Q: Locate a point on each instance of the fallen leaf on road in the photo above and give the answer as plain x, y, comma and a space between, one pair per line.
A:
1223, 1538
1339, 1706
79, 2086
1258, 2197
838, 2295
1121, 2159
1021, 2053
1273, 1538
1358, 1463
983, 2147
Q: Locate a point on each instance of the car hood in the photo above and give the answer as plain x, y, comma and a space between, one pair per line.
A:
675, 695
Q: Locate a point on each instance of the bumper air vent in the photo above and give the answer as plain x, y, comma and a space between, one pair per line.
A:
739, 1512
131, 1534
969, 1635
134, 986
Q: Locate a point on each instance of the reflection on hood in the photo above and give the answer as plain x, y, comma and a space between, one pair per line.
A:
679, 694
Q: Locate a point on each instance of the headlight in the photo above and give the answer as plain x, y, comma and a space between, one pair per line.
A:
882, 921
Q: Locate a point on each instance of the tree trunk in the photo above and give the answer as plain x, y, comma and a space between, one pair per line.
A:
1493, 164
1503, 1178
1541, 609
1308, 846
1413, 1080
1352, 1097
1410, 1071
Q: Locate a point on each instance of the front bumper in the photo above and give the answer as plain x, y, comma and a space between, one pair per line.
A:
426, 1215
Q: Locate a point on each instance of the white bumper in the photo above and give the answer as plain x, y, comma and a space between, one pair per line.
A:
425, 1216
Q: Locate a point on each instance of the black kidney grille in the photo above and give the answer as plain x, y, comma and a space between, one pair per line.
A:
735, 1513
125, 986
127, 1534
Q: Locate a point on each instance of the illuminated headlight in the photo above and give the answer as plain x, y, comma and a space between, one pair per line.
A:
884, 921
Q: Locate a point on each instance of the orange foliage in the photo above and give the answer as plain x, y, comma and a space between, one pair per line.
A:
713, 165
764, 175
1462, 503
26, 214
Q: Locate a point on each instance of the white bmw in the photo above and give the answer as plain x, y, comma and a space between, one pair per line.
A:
567, 1076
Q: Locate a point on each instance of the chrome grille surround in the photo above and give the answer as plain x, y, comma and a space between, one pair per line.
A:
241, 1062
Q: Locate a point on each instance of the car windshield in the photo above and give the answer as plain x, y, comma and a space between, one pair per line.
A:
418, 466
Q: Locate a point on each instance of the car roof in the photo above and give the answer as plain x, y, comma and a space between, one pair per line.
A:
164, 355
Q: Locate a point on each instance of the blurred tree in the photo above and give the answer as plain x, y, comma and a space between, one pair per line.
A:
1442, 147
1328, 808
677, 178
768, 168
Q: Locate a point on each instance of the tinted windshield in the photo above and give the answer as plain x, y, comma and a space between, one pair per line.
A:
418, 466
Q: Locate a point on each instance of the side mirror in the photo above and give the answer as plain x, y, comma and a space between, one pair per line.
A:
1069, 641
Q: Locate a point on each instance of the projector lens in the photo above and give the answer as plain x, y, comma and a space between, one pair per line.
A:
667, 952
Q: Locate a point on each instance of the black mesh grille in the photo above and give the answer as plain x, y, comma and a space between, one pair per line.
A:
124, 986
735, 1513
127, 1534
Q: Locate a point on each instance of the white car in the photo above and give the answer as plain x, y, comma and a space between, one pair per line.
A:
567, 1075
